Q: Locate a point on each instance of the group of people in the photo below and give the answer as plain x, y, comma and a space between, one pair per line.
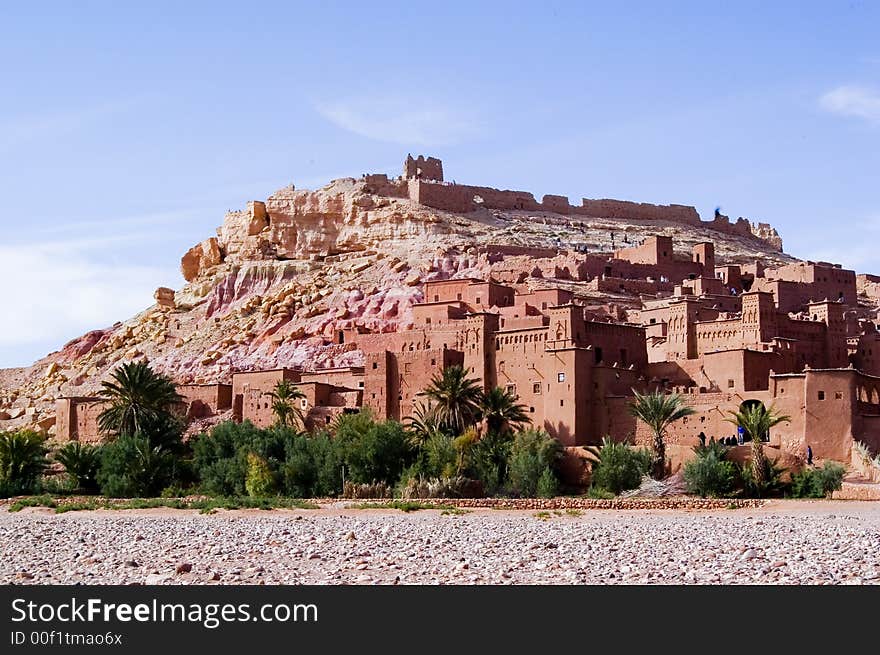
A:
740, 439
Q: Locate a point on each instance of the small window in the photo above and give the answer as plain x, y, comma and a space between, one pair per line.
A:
561, 402
303, 403
730, 384
536, 388
511, 389
458, 296
838, 395
653, 321
407, 367
560, 377
327, 420
433, 362
479, 300
375, 366
436, 298
428, 320
543, 305
361, 384
821, 395
531, 410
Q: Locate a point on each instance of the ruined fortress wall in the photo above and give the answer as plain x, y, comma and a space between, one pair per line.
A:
638, 211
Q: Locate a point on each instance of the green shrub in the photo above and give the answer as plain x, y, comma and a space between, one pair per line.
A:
548, 484
221, 458
312, 468
259, 482
771, 486
599, 493
489, 461
372, 451
22, 461
131, 466
436, 457
709, 474
81, 463
817, 483
619, 467
533, 456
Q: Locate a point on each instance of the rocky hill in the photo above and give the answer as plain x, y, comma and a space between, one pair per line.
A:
284, 276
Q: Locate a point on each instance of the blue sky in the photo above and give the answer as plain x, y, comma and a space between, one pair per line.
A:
127, 129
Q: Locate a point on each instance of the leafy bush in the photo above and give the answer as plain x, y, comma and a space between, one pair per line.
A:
131, 466
771, 486
619, 467
709, 474
441, 456
312, 468
260, 481
221, 457
817, 483
81, 463
548, 484
488, 461
599, 493
372, 451
22, 460
534, 455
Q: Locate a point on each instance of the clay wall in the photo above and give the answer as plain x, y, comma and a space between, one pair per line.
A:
423, 168
380, 185
557, 204
435, 314
203, 400
261, 381
76, 419
351, 377
544, 298
485, 295
654, 251
446, 290
392, 381
607, 208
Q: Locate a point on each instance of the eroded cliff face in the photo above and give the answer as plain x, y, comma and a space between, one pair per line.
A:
283, 277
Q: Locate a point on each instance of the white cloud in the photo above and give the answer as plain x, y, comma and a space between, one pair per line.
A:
404, 121
853, 101
62, 289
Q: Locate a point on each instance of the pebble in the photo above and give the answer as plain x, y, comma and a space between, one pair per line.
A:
747, 546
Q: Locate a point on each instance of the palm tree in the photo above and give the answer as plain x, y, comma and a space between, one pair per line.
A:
457, 399
501, 411
284, 397
81, 462
139, 399
658, 411
423, 424
22, 460
756, 421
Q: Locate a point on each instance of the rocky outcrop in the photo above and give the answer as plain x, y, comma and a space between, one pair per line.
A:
201, 258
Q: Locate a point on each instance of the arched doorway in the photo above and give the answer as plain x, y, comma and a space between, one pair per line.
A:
748, 404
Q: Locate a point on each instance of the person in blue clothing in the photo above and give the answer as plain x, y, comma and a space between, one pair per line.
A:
809, 456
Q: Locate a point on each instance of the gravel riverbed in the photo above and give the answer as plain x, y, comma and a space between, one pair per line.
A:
785, 542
